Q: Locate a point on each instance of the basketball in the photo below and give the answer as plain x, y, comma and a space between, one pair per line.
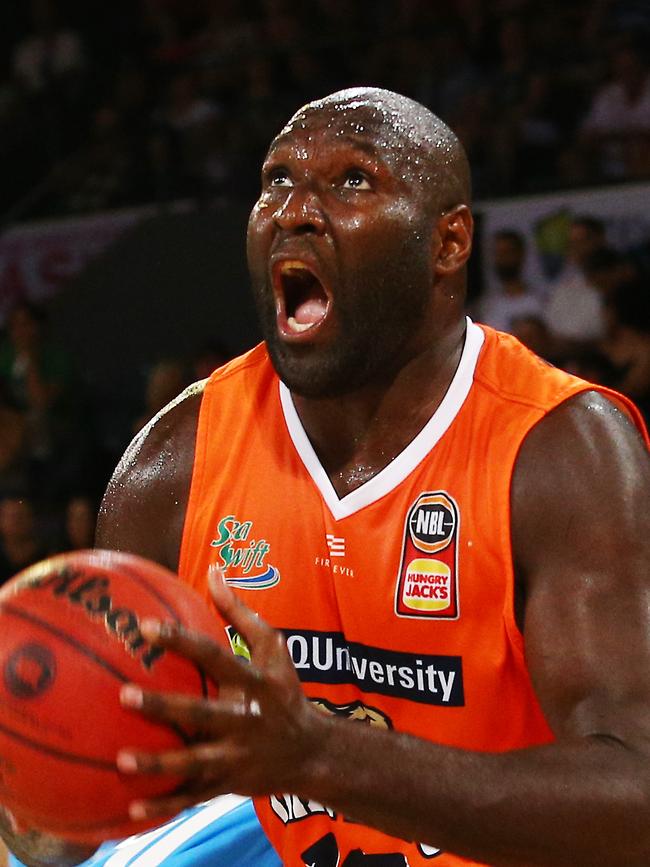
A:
69, 639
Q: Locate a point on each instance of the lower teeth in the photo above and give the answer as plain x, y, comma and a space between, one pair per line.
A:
294, 325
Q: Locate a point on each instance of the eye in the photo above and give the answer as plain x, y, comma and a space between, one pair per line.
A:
356, 180
279, 178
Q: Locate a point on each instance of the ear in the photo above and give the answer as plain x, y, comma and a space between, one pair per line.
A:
454, 235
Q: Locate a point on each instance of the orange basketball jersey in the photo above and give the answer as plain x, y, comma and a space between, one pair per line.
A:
396, 600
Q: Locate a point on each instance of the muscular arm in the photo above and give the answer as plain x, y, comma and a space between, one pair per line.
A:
581, 527
581, 501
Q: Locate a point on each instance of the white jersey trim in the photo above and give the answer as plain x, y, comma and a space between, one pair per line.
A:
399, 468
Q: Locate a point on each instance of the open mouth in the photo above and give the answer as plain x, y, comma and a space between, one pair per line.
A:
302, 301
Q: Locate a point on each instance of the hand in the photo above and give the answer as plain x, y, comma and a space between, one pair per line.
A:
256, 736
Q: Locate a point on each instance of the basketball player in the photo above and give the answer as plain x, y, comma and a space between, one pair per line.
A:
410, 522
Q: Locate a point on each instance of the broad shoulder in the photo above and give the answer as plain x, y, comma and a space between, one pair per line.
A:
144, 505
581, 540
581, 483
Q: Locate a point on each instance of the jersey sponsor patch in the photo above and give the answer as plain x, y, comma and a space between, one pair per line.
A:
427, 582
242, 557
328, 657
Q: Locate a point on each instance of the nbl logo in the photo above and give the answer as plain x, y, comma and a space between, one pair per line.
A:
432, 522
427, 584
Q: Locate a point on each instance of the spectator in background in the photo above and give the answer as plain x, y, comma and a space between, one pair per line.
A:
50, 55
36, 374
627, 341
209, 357
574, 308
13, 445
80, 520
513, 299
40, 383
536, 135
510, 84
617, 126
190, 137
165, 381
102, 176
606, 269
21, 543
533, 333
48, 66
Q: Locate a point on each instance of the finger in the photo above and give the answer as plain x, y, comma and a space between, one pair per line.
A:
197, 714
202, 762
253, 629
217, 662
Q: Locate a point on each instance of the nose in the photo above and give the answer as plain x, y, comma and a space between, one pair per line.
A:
300, 212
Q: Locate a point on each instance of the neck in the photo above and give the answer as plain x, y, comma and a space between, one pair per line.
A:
356, 435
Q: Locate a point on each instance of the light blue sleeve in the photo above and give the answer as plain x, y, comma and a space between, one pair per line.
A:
224, 831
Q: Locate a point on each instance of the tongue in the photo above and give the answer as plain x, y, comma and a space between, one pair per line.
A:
310, 311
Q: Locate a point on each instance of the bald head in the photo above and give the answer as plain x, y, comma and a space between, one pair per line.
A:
409, 136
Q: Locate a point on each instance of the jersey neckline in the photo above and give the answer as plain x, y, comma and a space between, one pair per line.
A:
408, 459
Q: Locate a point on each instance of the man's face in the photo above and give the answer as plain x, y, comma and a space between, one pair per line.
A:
508, 258
583, 241
340, 253
16, 518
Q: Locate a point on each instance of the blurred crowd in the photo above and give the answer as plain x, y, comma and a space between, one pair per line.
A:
593, 319
105, 105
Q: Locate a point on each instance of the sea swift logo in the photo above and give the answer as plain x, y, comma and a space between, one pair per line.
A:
427, 586
241, 557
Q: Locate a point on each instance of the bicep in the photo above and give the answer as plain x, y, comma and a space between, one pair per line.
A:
581, 529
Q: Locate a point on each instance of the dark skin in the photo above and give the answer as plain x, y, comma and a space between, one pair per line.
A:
580, 506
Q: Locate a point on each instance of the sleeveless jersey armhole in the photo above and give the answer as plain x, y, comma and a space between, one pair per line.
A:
628, 408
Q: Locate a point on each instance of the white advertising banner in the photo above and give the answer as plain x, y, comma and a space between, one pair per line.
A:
544, 220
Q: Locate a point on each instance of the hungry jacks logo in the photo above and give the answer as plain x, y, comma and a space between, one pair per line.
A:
427, 585
243, 558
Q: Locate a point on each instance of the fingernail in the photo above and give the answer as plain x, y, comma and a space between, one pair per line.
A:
216, 575
137, 811
131, 695
126, 762
150, 628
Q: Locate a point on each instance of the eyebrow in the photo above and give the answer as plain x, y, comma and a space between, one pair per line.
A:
356, 142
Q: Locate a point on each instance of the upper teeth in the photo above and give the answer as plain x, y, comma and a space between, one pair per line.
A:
298, 326
292, 265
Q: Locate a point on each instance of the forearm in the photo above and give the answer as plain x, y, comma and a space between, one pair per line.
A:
585, 802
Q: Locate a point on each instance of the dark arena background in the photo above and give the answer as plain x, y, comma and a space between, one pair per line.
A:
131, 136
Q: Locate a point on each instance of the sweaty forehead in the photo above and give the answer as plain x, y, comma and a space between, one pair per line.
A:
407, 136
364, 126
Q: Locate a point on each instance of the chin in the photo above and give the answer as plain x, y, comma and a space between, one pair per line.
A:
314, 374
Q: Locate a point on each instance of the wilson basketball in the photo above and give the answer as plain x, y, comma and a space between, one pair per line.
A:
69, 639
